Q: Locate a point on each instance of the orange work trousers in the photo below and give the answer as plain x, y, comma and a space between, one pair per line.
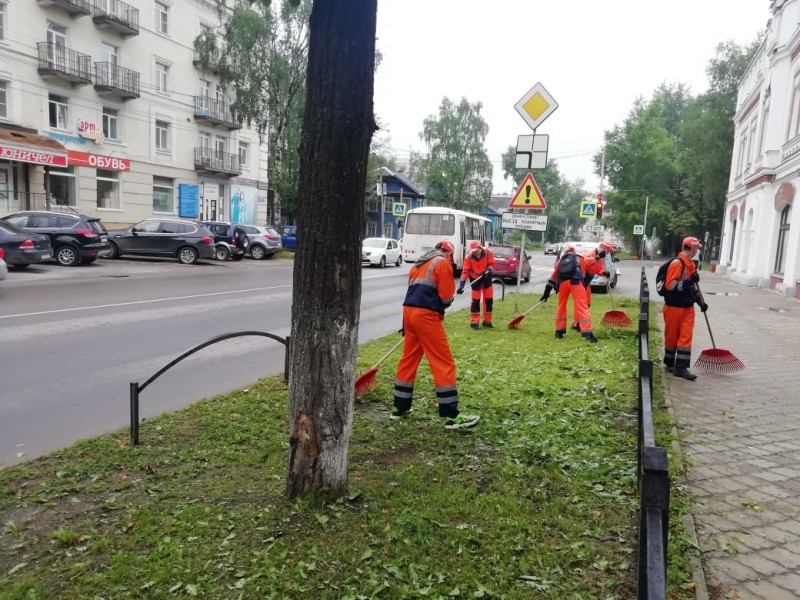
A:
678, 331
425, 335
588, 290
582, 316
485, 288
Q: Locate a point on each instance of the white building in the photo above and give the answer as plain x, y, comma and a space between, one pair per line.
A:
759, 246
103, 107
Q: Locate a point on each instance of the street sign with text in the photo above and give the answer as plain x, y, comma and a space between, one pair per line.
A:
524, 221
594, 228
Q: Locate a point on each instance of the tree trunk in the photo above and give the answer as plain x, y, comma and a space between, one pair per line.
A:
337, 128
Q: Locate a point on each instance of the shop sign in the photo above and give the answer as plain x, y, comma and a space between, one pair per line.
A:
97, 161
188, 201
91, 131
211, 191
37, 157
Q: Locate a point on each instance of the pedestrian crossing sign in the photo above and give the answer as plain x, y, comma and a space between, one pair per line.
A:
588, 209
399, 209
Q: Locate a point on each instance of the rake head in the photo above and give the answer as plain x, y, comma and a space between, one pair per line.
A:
616, 318
366, 381
718, 360
516, 322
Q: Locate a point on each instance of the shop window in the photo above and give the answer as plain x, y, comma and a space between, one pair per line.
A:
783, 235
163, 195
108, 189
62, 185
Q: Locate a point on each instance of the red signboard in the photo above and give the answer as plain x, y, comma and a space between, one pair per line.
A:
97, 161
37, 157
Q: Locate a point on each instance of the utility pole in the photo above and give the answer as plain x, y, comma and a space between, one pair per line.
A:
380, 200
644, 228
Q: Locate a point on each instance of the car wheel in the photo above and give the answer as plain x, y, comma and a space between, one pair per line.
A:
188, 255
614, 283
383, 262
222, 253
527, 278
67, 256
258, 252
113, 250
399, 261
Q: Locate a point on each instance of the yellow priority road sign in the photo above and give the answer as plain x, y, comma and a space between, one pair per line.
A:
536, 105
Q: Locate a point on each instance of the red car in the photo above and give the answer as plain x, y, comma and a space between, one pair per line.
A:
506, 262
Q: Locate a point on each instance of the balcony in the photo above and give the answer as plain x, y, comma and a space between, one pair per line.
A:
115, 80
62, 63
212, 62
116, 15
215, 163
214, 112
75, 8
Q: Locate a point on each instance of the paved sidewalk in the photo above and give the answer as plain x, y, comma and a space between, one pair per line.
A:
740, 434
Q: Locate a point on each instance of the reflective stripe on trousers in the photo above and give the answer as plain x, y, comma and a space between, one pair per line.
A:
577, 291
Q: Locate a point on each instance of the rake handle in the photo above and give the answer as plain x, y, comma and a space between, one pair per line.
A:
705, 314
532, 307
388, 354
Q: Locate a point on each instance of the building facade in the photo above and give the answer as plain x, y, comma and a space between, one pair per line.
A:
105, 108
760, 248
386, 210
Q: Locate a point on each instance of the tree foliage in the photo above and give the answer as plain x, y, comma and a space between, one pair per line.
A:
456, 166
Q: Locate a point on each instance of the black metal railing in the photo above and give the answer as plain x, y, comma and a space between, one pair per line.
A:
117, 80
117, 15
652, 474
214, 111
136, 389
208, 159
58, 61
76, 8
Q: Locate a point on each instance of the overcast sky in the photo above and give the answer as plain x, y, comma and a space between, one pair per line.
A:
594, 57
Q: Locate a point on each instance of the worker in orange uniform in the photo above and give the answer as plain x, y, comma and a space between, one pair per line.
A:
567, 280
680, 294
593, 262
431, 290
478, 265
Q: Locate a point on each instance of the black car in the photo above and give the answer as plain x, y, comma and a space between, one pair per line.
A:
74, 238
230, 239
23, 248
185, 241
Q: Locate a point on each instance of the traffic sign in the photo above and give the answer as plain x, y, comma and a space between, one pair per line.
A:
638, 229
588, 209
594, 228
525, 221
399, 209
528, 195
532, 151
536, 105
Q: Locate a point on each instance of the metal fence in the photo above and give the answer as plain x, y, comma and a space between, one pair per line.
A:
652, 473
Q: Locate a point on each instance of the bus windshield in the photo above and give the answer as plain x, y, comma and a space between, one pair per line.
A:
431, 224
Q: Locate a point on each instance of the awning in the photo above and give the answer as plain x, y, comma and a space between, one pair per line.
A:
31, 148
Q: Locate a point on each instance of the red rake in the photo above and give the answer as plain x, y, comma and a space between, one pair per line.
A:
517, 321
615, 318
367, 381
716, 360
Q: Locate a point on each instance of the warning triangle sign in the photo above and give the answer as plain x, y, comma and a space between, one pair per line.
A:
528, 195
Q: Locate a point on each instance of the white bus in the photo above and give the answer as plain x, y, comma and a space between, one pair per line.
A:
428, 225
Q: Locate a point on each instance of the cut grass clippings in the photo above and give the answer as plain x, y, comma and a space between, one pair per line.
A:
538, 501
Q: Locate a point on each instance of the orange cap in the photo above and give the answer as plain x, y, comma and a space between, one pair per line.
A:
447, 246
692, 242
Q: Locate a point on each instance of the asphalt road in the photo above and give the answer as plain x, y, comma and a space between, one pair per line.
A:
71, 339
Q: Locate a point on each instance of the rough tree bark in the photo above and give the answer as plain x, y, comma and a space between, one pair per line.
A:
337, 128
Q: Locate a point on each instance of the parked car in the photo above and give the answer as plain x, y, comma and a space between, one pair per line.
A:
185, 241
289, 237
551, 249
230, 239
23, 248
506, 262
378, 252
599, 283
75, 238
265, 242
3, 267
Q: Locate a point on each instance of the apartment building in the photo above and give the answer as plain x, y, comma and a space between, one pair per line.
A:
105, 108
760, 248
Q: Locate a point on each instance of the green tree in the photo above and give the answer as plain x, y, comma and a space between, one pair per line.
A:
456, 166
338, 124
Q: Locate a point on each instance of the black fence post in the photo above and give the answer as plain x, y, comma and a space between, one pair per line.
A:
134, 414
653, 524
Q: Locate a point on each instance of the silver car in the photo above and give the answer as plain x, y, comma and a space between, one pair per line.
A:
265, 242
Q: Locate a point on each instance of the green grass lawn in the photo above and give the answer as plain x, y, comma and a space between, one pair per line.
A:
538, 501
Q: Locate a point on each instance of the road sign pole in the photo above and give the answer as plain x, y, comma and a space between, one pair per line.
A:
519, 270
646, 205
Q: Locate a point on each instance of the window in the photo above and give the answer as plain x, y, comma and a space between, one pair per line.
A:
163, 195
219, 146
162, 136
371, 228
426, 224
109, 54
58, 111
752, 142
794, 115
783, 234
2, 20
107, 189
3, 98
174, 227
162, 18
148, 226
733, 242
62, 185
161, 77
243, 150
762, 140
111, 123
742, 150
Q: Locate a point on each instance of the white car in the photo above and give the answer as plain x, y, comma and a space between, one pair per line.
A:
599, 282
3, 267
379, 252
